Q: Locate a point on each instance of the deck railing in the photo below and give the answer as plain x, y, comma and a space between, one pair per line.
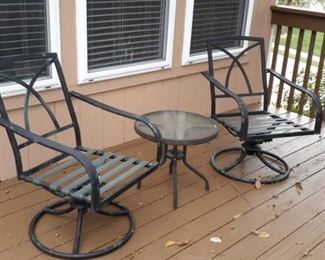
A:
300, 43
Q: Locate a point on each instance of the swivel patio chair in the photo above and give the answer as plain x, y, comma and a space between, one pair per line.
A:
252, 127
86, 179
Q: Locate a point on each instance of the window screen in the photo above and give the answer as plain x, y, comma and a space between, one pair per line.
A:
125, 32
23, 30
217, 18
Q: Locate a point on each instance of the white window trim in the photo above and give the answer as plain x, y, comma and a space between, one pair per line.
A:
54, 46
187, 59
84, 76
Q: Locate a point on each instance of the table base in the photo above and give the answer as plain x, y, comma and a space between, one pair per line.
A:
175, 155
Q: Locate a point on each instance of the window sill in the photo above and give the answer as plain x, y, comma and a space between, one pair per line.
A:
126, 71
196, 59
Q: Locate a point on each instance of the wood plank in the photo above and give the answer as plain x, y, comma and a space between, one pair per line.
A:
278, 228
299, 243
318, 252
219, 221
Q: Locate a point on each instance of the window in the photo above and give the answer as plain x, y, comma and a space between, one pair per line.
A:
207, 19
119, 38
28, 27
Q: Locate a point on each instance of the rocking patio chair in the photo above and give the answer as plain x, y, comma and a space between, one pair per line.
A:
253, 127
86, 179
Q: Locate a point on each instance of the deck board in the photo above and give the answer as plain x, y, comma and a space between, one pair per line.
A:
200, 215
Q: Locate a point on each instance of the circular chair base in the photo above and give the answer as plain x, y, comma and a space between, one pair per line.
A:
51, 209
253, 150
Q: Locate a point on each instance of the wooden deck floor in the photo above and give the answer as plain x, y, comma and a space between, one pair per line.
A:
294, 218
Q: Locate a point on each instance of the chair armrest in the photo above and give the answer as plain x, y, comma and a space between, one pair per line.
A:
314, 97
90, 169
160, 152
242, 107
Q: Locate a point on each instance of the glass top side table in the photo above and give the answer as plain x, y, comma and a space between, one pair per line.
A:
179, 129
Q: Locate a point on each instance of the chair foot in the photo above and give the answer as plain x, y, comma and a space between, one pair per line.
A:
52, 210
282, 171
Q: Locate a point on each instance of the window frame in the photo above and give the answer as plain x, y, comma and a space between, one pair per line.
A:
84, 76
187, 59
54, 41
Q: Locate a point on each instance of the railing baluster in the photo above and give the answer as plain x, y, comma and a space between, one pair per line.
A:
307, 71
274, 58
319, 75
284, 65
296, 67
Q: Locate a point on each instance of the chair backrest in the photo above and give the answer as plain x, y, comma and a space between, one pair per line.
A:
14, 71
247, 45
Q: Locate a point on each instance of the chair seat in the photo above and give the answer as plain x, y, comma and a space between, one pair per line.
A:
265, 124
69, 178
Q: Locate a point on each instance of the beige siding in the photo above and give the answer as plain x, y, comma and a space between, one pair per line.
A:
181, 87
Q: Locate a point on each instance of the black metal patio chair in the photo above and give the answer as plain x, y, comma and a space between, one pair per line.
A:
87, 179
253, 127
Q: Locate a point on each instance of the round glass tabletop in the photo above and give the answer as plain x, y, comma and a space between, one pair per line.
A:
179, 127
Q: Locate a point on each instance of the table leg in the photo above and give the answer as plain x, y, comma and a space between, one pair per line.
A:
194, 170
173, 171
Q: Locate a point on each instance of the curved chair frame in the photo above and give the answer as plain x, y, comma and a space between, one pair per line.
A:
246, 125
93, 189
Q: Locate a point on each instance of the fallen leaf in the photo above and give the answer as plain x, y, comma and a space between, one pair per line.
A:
215, 239
170, 243
176, 243
140, 203
260, 233
258, 184
299, 187
237, 216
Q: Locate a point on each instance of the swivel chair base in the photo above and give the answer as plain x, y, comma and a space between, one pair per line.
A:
52, 209
254, 150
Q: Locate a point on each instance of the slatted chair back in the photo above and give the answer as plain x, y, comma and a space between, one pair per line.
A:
13, 72
248, 44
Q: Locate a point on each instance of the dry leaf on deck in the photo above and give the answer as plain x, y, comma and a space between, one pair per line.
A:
215, 239
170, 243
261, 233
299, 187
258, 184
237, 216
176, 243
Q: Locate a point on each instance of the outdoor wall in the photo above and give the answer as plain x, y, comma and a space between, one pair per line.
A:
181, 87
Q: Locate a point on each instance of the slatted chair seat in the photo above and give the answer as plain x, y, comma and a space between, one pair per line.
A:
113, 170
265, 125
253, 128
86, 179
